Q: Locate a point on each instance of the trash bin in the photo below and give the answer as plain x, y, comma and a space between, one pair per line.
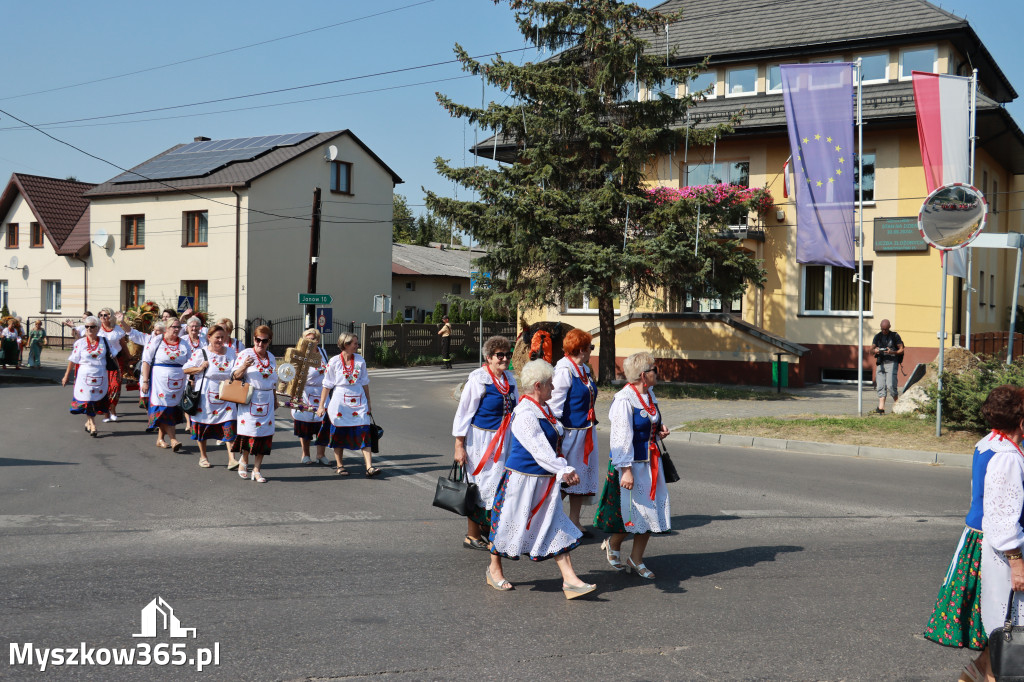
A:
783, 367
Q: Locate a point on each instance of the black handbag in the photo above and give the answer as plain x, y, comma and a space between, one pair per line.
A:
1006, 648
191, 395
454, 493
671, 475
376, 433
112, 365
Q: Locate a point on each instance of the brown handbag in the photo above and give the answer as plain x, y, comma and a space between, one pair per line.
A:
235, 391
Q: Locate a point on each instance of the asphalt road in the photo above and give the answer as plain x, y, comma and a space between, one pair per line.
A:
781, 566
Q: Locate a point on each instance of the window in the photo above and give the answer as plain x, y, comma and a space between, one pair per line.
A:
35, 235
410, 313
741, 81
410, 286
196, 288
51, 296
875, 67
133, 231
832, 290
341, 177
3, 293
774, 78
995, 197
134, 293
991, 291
825, 60
12, 235
733, 172
981, 287
457, 289
703, 81
581, 303
196, 229
869, 177
917, 59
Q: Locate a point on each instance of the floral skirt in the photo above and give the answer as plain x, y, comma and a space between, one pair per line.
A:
643, 515
956, 619
254, 445
320, 432
114, 387
90, 407
480, 516
349, 437
224, 431
167, 415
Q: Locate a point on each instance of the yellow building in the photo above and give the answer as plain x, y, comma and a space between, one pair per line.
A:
809, 313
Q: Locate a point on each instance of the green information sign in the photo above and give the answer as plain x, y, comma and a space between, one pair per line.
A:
315, 299
898, 234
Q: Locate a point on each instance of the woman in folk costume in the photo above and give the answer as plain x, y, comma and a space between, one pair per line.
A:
90, 396
349, 409
255, 431
163, 378
527, 517
143, 339
635, 499
113, 334
308, 425
572, 401
208, 367
956, 620
481, 428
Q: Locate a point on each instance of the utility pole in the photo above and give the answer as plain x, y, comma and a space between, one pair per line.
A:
314, 256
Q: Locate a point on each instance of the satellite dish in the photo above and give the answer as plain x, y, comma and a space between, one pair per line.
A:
101, 238
285, 371
331, 153
14, 263
952, 216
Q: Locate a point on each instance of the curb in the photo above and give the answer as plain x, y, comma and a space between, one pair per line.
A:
829, 449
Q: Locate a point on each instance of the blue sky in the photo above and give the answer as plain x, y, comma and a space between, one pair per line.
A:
54, 46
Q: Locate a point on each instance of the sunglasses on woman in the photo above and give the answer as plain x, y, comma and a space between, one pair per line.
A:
261, 341
503, 356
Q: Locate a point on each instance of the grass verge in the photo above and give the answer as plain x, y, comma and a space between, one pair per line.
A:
883, 431
703, 392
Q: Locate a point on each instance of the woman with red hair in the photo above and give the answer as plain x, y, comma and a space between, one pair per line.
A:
572, 402
255, 431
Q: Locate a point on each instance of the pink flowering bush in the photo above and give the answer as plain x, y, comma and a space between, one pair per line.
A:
721, 196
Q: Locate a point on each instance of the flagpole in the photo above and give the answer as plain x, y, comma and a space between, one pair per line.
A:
860, 238
970, 252
942, 343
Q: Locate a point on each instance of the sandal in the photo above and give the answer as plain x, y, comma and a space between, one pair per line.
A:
242, 471
971, 674
500, 585
257, 476
640, 569
175, 446
341, 471
204, 463
232, 463
475, 543
93, 433
162, 445
372, 471
612, 556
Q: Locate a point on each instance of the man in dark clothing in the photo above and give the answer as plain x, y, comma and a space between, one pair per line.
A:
446, 342
888, 349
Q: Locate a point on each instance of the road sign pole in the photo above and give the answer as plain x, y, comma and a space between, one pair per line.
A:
314, 256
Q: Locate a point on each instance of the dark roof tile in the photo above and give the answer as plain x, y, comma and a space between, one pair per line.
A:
58, 205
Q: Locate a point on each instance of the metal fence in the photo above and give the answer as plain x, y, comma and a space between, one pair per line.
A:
57, 335
287, 332
411, 340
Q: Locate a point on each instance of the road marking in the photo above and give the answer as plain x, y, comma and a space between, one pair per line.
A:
756, 513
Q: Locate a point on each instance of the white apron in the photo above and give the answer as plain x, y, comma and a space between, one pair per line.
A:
166, 383
348, 406
91, 378
212, 410
257, 418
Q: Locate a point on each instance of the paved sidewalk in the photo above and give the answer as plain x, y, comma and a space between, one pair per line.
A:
54, 361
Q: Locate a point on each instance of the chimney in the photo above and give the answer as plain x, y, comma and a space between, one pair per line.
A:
201, 139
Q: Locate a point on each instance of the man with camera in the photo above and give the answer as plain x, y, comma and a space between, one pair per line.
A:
888, 349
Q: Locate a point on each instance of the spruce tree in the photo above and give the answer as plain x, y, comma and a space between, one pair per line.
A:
572, 215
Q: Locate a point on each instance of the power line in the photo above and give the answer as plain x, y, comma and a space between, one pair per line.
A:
265, 92
217, 54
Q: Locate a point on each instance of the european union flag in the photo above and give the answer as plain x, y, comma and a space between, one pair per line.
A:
819, 114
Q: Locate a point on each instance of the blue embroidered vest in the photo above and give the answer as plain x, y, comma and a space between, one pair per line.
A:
577, 403
519, 458
492, 408
641, 434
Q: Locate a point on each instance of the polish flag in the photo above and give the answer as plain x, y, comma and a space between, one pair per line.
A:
943, 106
785, 178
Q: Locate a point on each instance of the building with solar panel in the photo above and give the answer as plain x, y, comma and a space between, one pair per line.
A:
227, 222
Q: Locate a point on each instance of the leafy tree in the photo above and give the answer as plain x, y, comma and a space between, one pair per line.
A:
572, 215
402, 221
438, 313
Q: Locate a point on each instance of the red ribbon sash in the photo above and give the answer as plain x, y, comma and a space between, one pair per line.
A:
494, 447
533, 512
588, 442
655, 456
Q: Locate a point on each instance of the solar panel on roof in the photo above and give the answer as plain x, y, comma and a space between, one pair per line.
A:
197, 159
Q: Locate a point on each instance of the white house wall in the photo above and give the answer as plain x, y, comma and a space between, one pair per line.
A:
25, 286
355, 236
164, 262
